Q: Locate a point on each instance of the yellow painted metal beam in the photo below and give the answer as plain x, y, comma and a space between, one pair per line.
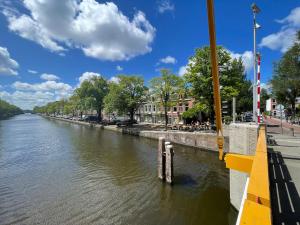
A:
257, 207
255, 214
242, 163
259, 186
215, 75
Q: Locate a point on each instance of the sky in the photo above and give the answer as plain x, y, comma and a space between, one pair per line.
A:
48, 47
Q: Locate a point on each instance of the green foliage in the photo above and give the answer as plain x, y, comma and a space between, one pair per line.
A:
227, 119
285, 81
126, 96
91, 94
195, 110
7, 110
233, 80
166, 88
244, 99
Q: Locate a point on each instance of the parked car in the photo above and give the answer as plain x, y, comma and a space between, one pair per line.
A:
93, 119
110, 122
248, 117
126, 123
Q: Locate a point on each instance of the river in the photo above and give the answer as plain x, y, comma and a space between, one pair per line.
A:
54, 172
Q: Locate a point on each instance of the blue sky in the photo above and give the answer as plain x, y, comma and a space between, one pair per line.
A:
48, 47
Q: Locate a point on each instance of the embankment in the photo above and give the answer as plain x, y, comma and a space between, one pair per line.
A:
206, 141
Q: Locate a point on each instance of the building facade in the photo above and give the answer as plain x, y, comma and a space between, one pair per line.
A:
271, 104
152, 111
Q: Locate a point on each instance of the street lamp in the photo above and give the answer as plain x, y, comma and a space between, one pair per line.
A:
256, 26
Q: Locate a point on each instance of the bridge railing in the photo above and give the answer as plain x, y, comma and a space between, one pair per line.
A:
256, 203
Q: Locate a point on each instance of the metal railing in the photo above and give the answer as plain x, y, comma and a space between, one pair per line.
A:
256, 203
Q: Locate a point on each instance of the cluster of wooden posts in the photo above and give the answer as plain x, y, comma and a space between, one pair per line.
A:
165, 160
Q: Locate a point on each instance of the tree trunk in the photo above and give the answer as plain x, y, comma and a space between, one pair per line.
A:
99, 112
166, 117
131, 115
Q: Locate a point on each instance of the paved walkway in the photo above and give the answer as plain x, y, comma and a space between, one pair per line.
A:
284, 154
275, 124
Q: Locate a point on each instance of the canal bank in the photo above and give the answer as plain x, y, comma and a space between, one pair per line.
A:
201, 140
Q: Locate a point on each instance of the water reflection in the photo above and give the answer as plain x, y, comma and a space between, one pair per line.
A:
60, 173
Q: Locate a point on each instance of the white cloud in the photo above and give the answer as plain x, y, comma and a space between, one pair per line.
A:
182, 70
32, 71
49, 77
247, 58
114, 80
87, 76
28, 100
281, 40
284, 39
165, 5
44, 86
8, 66
28, 95
168, 60
293, 19
100, 30
119, 68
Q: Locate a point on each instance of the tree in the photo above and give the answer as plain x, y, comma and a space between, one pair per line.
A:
244, 100
91, 94
126, 96
194, 111
286, 78
166, 89
232, 78
7, 110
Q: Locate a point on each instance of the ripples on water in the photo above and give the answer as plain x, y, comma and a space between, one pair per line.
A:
53, 172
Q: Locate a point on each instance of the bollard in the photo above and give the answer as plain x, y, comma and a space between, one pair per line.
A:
169, 164
161, 158
293, 131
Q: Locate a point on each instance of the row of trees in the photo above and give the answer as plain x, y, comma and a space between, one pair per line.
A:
7, 110
286, 78
123, 97
126, 95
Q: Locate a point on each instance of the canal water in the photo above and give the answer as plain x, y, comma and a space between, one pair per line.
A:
54, 172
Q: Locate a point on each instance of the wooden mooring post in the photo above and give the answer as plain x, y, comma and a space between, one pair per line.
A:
165, 160
169, 164
161, 158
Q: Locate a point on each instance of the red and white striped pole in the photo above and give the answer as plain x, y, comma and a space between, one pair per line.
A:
258, 88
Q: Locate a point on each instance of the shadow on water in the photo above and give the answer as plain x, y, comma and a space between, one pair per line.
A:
185, 180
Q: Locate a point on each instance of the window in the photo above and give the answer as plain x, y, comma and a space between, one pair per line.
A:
145, 108
175, 109
154, 108
186, 106
149, 108
273, 106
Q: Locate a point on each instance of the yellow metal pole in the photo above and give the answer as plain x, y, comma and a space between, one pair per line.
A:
215, 75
